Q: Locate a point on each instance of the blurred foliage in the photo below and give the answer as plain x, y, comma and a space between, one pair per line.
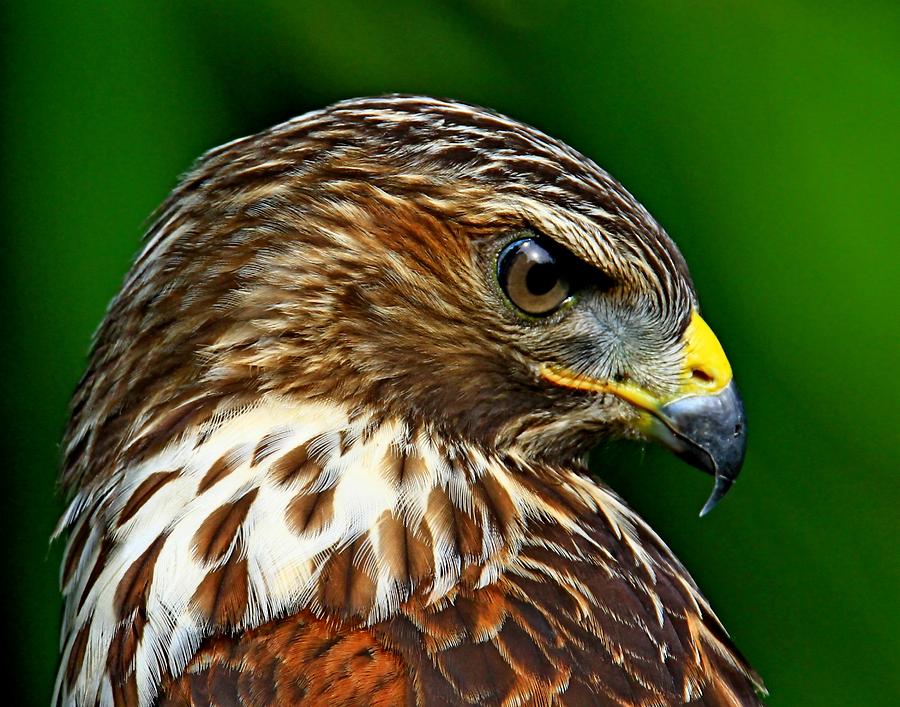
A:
763, 135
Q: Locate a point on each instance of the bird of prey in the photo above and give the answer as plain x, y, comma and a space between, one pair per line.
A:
330, 445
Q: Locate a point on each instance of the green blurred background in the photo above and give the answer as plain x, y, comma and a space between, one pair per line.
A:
763, 135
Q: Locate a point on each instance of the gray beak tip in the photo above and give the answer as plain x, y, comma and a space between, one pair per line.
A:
723, 484
710, 433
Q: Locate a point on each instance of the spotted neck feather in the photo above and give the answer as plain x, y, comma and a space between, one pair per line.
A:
262, 510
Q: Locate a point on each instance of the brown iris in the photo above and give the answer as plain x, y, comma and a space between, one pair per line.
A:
532, 276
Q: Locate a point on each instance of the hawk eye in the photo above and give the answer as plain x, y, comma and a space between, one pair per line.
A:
533, 277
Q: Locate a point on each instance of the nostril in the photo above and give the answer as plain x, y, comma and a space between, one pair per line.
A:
702, 376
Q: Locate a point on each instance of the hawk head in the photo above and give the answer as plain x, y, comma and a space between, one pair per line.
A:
355, 371
434, 261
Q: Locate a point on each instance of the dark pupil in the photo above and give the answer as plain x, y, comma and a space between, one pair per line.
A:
541, 278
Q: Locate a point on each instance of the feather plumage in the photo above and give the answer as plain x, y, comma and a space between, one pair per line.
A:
311, 459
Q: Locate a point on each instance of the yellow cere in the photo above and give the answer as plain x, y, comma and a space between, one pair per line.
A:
706, 368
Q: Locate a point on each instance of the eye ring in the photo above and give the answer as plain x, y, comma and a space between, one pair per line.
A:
533, 276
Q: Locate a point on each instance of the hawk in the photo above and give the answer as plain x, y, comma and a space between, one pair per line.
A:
330, 445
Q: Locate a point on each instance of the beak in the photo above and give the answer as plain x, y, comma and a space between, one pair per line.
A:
702, 422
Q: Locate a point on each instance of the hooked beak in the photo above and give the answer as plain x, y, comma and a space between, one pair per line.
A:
702, 423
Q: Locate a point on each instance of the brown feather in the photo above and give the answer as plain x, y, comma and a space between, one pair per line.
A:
131, 593
221, 598
310, 512
299, 661
144, 493
219, 531
295, 466
221, 468
76, 654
